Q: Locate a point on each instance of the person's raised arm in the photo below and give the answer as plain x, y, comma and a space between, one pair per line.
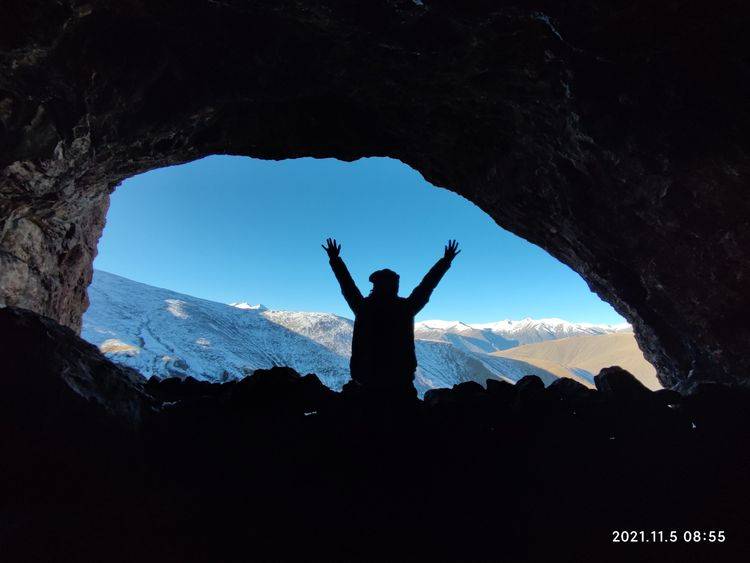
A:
348, 288
421, 294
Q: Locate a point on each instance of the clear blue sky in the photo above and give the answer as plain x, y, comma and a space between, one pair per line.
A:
240, 229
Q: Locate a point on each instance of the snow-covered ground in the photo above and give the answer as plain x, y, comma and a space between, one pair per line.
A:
163, 333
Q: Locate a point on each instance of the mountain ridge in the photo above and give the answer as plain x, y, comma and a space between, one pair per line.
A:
505, 334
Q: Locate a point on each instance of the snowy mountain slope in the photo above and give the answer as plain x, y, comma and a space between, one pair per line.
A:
331, 331
441, 365
164, 333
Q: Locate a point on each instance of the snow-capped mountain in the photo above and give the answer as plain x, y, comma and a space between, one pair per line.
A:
246, 305
501, 335
462, 336
163, 333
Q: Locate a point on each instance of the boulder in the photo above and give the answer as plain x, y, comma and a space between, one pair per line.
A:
569, 389
500, 390
529, 383
49, 366
621, 384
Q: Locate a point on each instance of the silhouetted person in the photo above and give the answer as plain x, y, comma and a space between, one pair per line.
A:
383, 354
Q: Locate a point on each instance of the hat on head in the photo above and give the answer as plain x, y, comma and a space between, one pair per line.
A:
383, 276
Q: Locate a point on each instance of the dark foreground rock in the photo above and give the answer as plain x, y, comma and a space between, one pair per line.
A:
615, 135
278, 467
47, 364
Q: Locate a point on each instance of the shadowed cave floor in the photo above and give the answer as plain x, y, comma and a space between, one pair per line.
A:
278, 467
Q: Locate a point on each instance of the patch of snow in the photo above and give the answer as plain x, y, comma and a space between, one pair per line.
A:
115, 346
176, 307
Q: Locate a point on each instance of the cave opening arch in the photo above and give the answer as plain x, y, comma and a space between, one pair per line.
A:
232, 229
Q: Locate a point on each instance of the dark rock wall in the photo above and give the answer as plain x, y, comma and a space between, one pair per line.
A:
614, 136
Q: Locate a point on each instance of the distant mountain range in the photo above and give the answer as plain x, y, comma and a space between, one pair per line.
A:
165, 334
502, 335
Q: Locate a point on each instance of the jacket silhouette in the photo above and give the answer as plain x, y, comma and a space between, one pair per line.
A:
383, 355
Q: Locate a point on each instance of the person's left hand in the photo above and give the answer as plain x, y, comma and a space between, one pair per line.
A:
451, 250
332, 248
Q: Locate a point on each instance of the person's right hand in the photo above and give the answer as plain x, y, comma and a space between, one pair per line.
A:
331, 248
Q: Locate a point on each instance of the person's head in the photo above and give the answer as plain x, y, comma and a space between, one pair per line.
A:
384, 282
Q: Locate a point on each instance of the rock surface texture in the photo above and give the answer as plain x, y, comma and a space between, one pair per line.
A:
47, 369
614, 136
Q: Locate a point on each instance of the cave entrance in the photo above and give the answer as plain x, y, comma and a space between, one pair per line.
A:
182, 243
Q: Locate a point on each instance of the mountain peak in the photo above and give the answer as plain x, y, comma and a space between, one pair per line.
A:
246, 305
441, 325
